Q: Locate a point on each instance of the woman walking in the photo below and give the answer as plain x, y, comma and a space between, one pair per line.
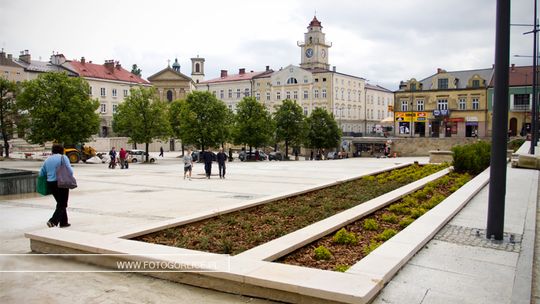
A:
61, 195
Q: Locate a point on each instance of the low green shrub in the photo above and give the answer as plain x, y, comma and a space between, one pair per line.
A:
417, 212
515, 144
322, 253
472, 158
399, 208
344, 237
371, 224
342, 268
406, 222
386, 234
389, 218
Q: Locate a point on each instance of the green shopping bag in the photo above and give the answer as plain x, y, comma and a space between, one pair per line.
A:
42, 187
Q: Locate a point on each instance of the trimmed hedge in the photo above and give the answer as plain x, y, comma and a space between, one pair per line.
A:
472, 158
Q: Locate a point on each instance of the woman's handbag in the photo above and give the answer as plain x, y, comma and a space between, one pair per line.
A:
64, 178
42, 187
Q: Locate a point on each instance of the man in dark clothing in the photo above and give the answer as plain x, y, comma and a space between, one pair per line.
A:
221, 159
208, 157
161, 151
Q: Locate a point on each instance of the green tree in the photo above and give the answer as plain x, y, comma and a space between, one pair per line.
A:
59, 108
135, 70
323, 131
142, 117
290, 124
200, 120
253, 124
9, 115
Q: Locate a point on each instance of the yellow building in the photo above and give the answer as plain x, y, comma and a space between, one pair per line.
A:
446, 104
171, 84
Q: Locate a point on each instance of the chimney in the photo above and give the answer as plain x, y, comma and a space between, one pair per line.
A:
118, 65
223, 73
9, 56
109, 64
439, 70
241, 71
83, 61
25, 56
513, 67
267, 68
333, 68
58, 59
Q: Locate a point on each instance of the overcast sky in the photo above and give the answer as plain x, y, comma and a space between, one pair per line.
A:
383, 41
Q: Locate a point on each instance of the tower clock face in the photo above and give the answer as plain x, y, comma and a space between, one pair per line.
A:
309, 53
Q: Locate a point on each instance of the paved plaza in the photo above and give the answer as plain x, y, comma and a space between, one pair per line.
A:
108, 201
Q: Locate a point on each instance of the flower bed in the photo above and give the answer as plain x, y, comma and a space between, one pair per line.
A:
340, 250
244, 229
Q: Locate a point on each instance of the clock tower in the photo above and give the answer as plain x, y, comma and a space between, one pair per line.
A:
314, 48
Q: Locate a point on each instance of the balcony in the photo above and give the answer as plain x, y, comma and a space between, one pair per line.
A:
520, 108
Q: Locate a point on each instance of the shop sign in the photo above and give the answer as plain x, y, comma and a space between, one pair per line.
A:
441, 113
471, 118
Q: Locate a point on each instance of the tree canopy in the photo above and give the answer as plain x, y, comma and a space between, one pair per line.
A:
323, 131
253, 124
290, 124
136, 70
59, 108
201, 120
9, 115
142, 117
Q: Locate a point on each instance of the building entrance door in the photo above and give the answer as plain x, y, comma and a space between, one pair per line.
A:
513, 127
435, 125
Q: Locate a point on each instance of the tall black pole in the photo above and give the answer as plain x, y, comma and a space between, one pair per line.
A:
534, 120
497, 181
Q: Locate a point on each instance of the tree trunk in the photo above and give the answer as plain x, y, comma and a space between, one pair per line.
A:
147, 146
286, 149
6, 145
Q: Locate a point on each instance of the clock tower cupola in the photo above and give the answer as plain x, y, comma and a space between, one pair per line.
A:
314, 48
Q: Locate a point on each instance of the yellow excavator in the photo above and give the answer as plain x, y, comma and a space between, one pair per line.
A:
76, 153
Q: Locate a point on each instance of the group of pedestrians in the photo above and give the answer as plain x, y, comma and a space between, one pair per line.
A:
208, 158
122, 155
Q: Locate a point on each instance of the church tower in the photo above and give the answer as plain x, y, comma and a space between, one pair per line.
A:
197, 69
314, 48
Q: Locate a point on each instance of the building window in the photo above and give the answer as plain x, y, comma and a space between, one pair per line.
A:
214, 93
221, 94
258, 96
349, 95
462, 104
476, 83
230, 93
324, 92
126, 92
295, 95
305, 111
442, 83
420, 105
114, 108
114, 93
305, 94
337, 92
246, 92
169, 95
316, 79
197, 68
442, 104
342, 94
288, 95
267, 95
278, 82
238, 93
292, 80
316, 94
103, 108
521, 102
305, 80
103, 92
475, 103
278, 95
404, 105
324, 79
413, 86
91, 91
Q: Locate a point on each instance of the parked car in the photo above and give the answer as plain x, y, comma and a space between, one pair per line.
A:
246, 155
135, 156
275, 156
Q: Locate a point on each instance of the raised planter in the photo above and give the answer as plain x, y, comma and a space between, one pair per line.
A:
439, 157
14, 181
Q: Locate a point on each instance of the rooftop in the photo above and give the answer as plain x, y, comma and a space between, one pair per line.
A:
109, 71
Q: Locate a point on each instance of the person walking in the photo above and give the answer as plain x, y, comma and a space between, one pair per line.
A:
161, 151
188, 164
221, 159
112, 154
123, 162
61, 195
208, 157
